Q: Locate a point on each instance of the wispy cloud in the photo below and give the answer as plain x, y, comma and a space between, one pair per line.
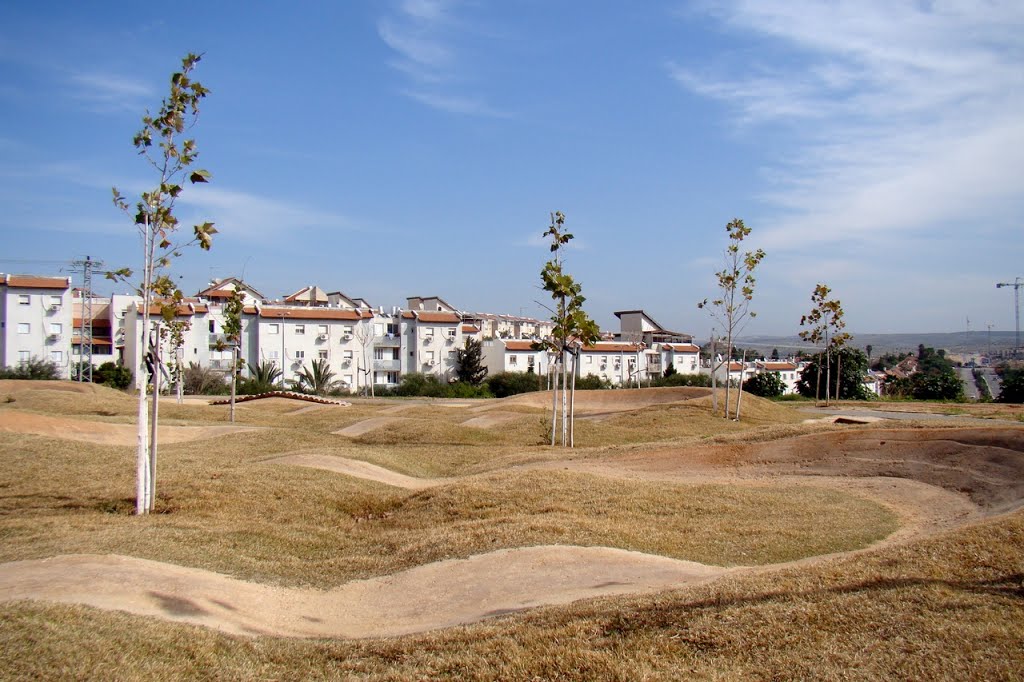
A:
244, 215
425, 37
109, 92
902, 116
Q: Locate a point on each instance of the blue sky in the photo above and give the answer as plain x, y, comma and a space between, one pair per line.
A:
390, 149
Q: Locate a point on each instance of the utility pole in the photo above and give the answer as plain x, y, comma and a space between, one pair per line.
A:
86, 337
1016, 284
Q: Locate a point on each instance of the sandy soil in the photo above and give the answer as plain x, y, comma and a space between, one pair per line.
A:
102, 432
356, 468
436, 595
932, 478
367, 425
491, 419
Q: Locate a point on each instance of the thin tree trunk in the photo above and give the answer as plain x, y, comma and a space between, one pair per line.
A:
817, 383
142, 437
839, 373
572, 405
714, 382
151, 500
234, 373
739, 391
554, 402
728, 372
565, 406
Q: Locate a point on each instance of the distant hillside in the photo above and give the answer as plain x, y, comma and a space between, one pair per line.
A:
953, 342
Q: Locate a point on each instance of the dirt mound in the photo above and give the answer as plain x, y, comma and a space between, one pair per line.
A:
356, 468
436, 595
367, 425
985, 463
103, 433
15, 386
609, 400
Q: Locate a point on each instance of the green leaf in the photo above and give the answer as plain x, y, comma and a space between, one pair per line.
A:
199, 176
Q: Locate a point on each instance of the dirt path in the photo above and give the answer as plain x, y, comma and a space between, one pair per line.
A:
436, 595
367, 425
356, 468
104, 433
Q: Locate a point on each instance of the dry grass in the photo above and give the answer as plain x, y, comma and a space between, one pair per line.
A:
951, 607
947, 607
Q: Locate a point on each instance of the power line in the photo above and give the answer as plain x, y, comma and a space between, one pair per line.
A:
85, 267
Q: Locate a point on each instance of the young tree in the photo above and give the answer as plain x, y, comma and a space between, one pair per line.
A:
365, 334
825, 322
573, 329
233, 308
850, 366
736, 289
470, 368
172, 158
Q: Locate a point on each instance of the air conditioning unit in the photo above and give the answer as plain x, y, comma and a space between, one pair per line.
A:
346, 337
54, 337
428, 339
322, 337
430, 363
54, 307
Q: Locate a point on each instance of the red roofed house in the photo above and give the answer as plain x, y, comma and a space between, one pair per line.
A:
514, 355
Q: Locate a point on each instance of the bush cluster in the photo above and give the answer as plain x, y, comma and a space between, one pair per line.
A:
35, 369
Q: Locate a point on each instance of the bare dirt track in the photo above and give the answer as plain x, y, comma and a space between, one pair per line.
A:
104, 433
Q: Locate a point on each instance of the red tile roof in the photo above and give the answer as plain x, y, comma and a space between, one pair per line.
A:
519, 345
33, 282
683, 347
435, 318
612, 348
778, 366
314, 314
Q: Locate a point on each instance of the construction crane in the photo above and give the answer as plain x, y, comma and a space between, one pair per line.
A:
1016, 284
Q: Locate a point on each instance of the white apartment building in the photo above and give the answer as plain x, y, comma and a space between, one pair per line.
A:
788, 372
508, 355
35, 320
619, 363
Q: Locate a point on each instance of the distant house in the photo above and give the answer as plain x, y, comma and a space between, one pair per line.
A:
36, 320
787, 371
510, 355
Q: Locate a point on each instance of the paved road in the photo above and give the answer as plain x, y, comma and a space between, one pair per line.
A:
970, 387
882, 414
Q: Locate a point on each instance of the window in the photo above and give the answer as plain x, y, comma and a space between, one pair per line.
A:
378, 329
530, 361
24, 328
56, 328
322, 353
56, 301
428, 332
590, 360
24, 299
272, 354
513, 360
347, 329
452, 357
274, 328
347, 355
300, 354
451, 332
24, 355
430, 357
300, 329
57, 356
321, 329
213, 326
346, 379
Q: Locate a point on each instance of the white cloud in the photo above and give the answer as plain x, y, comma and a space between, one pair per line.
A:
903, 116
425, 36
110, 92
244, 215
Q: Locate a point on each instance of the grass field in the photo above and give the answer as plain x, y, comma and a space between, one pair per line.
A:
934, 606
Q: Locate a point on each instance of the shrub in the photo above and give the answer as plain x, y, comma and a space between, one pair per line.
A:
1012, 386
683, 380
430, 386
35, 369
765, 384
113, 375
592, 383
198, 380
512, 383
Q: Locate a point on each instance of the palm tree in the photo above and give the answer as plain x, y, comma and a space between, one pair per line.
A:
318, 380
263, 377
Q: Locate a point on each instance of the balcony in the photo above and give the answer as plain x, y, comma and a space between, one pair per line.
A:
387, 342
219, 340
220, 364
387, 365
